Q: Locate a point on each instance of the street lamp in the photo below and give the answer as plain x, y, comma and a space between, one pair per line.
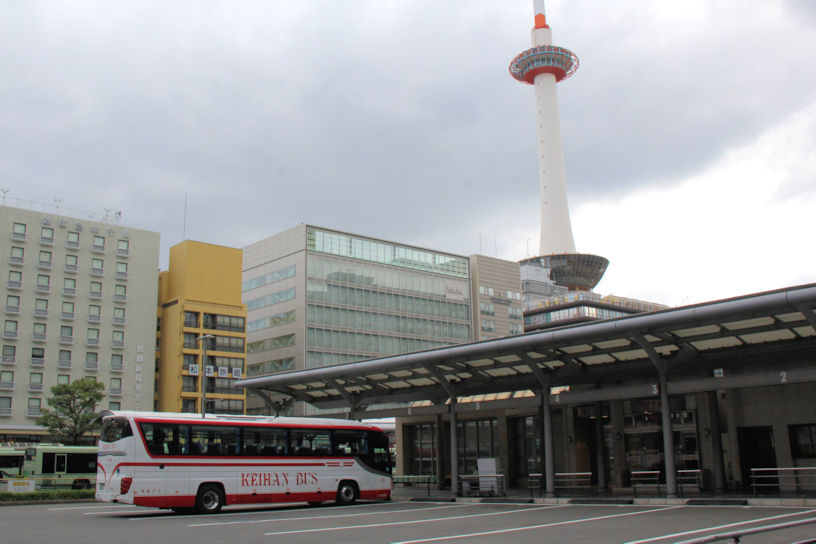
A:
202, 371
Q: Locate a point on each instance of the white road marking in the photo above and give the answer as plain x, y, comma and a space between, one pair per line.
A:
373, 513
112, 506
718, 527
401, 522
530, 527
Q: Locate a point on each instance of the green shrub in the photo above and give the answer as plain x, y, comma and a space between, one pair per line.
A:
48, 495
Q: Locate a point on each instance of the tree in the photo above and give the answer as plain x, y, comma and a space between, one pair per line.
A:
74, 410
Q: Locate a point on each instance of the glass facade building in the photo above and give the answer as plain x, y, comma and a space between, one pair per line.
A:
317, 297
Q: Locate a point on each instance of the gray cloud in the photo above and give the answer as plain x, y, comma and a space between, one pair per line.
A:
395, 119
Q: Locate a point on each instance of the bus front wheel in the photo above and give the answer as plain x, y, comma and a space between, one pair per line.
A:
210, 499
346, 493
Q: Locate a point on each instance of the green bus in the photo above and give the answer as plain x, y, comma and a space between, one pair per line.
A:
55, 465
11, 461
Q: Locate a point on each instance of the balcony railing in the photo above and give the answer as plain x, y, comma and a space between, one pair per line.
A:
41, 288
34, 412
95, 294
35, 388
17, 261
9, 360
5, 411
115, 392
44, 265
69, 291
66, 339
94, 318
20, 236
12, 309
38, 337
123, 252
68, 316
71, 268
46, 240
118, 344
91, 365
118, 320
117, 367
40, 312
37, 361
72, 244
120, 298
97, 271
92, 342
121, 275
6, 386
98, 249
15, 285
64, 364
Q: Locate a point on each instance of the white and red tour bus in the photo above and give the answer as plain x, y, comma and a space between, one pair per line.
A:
185, 462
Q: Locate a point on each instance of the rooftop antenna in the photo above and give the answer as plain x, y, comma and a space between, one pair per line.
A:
184, 237
57, 202
4, 191
107, 212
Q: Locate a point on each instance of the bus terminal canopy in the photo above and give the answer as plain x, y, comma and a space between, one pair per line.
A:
754, 340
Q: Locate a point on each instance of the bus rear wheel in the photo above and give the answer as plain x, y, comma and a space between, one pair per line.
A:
346, 493
210, 499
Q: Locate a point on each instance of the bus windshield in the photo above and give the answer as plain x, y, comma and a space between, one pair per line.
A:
115, 428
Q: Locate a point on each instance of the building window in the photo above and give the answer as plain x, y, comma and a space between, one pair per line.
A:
10, 326
65, 356
5, 406
120, 291
93, 335
116, 361
16, 255
35, 378
187, 405
63, 379
6, 378
224, 322
94, 310
12, 303
73, 239
99, 242
45, 258
34, 407
91, 359
19, 229
487, 309
477, 439
97, 266
47, 235
422, 448
189, 384
803, 440
96, 287
39, 330
69, 283
114, 405
119, 315
43, 280
191, 319
118, 337
9, 351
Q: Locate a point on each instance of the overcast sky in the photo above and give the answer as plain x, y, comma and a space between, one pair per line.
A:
689, 128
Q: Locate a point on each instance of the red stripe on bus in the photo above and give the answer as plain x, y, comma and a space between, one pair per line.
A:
181, 501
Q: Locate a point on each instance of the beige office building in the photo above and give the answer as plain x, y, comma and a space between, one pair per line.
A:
79, 300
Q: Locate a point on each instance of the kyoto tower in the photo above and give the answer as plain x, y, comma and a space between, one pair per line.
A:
544, 65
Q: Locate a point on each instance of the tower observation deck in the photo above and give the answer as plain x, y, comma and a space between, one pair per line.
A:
544, 65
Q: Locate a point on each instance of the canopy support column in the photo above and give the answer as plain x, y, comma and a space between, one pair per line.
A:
665, 414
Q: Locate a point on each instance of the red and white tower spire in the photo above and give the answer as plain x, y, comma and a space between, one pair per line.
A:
544, 65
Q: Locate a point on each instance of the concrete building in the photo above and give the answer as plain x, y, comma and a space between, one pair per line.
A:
496, 294
317, 297
79, 301
199, 307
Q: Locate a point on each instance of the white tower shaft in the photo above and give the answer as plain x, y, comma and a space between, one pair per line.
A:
556, 229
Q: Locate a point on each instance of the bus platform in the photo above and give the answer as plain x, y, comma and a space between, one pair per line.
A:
433, 493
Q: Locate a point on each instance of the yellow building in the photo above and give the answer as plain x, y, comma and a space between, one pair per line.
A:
200, 302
